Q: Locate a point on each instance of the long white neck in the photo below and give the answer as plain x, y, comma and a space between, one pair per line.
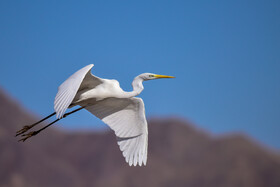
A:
137, 87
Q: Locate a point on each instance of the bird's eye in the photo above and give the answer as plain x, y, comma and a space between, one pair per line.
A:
151, 75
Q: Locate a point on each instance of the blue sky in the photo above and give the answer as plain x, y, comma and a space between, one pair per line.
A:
225, 56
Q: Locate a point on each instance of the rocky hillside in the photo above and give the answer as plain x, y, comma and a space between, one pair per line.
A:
178, 155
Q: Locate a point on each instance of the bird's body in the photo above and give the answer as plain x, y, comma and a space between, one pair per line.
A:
120, 110
83, 88
109, 88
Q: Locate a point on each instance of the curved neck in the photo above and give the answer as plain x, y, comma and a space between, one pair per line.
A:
137, 87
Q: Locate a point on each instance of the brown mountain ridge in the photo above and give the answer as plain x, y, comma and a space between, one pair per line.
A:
178, 155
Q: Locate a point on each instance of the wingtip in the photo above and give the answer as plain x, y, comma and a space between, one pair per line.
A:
89, 66
60, 114
138, 163
145, 162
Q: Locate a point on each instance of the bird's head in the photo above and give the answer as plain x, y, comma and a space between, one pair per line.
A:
151, 76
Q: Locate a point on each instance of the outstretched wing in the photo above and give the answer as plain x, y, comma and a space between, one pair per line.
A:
126, 116
69, 88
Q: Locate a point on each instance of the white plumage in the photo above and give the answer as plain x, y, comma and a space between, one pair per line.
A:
126, 116
121, 111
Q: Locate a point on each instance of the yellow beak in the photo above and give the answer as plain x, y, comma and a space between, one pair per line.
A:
163, 76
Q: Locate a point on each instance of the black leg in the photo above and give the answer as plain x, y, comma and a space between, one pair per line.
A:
67, 114
33, 133
27, 127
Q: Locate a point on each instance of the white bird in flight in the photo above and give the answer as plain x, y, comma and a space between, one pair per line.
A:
120, 110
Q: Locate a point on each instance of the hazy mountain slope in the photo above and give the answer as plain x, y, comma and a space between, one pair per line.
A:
179, 155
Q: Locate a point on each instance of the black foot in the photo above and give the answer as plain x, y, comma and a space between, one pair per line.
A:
29, 135
24, 129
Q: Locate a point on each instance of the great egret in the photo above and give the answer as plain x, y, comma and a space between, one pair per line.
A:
120, 110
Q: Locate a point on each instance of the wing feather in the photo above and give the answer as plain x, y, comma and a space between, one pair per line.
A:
69, 88
126, 116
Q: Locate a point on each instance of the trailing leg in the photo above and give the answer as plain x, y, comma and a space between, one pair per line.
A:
27, 127
33, 133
